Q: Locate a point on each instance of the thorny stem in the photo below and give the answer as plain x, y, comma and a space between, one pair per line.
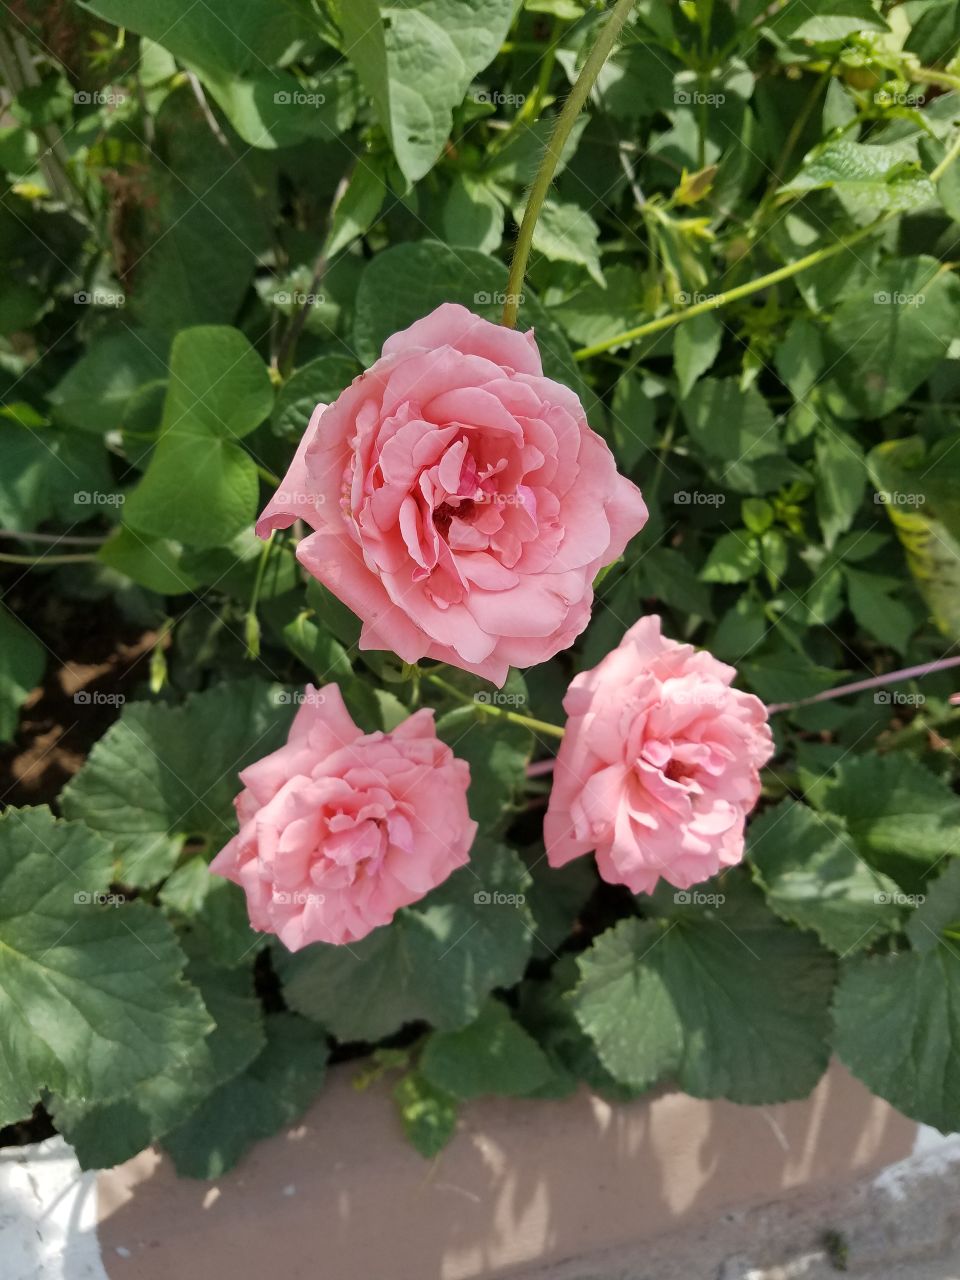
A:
875, 682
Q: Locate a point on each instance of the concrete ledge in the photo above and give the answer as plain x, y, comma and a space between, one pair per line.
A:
668, 1188
524, 1184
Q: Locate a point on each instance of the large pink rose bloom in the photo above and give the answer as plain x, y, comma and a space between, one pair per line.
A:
461, 506
339, 829
659, 764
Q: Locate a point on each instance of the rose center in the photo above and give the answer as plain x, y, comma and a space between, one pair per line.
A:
445, 513
678, 771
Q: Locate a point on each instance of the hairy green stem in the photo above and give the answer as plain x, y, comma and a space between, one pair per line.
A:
490, 708
553, 151
730, 295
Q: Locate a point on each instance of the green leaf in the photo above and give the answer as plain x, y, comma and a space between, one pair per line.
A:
704, 1001
103, 1136
496, 750
621, 991
597, 314
428, 1114
826, 20
357, 209
669, 576
273, 1091
200, 487
162, 774
893, 805
437, 961
409, 280
898, 1029
96, 389
91, 995
696, 345
566, 233
492, 1054
734, 557
842, 478
936, 921
868, 179
415, 61
813, 876
888, 337
732, 424
22, 660
51, 474
318, 382
154, 563
472, 215
799, 357
918, 488
877, 610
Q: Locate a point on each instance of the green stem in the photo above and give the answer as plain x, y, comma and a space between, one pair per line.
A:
85, 558
937, 173
489, 708
252, 622
730, 295
553, 151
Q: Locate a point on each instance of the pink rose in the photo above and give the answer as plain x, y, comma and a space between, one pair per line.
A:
461, 505
659, 764
339, 829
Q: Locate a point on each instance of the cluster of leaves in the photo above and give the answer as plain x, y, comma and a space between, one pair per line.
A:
212, 219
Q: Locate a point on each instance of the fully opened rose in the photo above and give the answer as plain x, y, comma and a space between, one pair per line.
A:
460, 504
339, 829
659, 764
